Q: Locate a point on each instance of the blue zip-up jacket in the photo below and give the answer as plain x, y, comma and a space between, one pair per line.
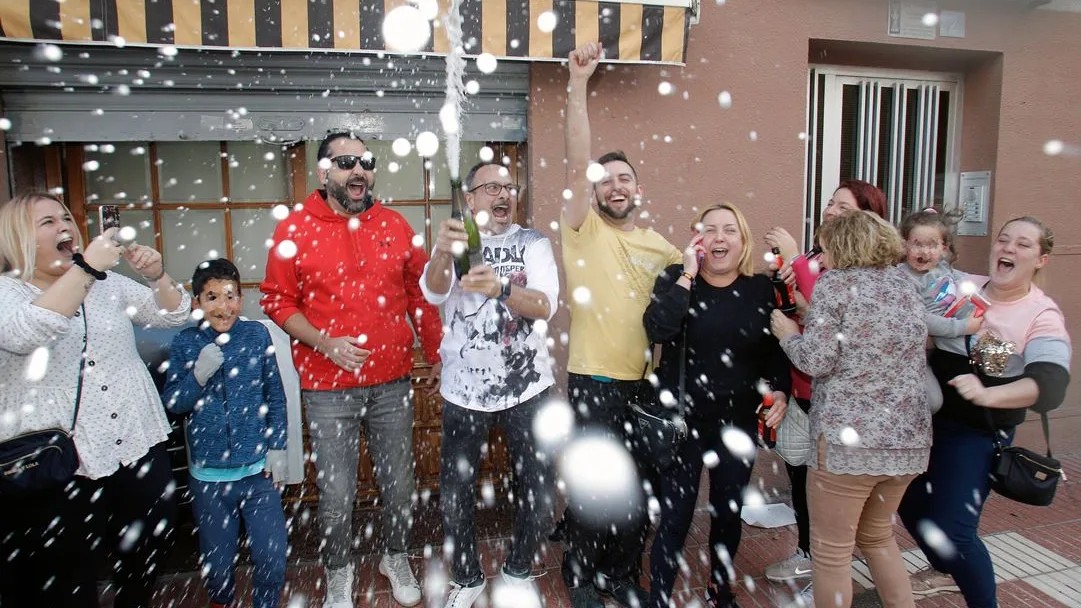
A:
240, 413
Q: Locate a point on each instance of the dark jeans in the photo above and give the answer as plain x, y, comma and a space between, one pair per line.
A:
132, 515
951, 495
678, 496
614, 551
39, 560
129, 514
219, 508
465, 432
798, 477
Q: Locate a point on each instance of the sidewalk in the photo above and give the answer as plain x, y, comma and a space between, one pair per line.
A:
1037, 550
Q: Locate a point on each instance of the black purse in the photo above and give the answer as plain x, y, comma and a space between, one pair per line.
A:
658, 437
1026, 476
42, 460
1019, 473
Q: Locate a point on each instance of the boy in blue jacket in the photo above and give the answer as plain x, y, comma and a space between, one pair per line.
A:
224, 373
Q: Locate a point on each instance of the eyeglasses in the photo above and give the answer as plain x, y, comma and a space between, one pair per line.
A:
494, 188
346, 162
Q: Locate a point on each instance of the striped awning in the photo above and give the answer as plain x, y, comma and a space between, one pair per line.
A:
643, 31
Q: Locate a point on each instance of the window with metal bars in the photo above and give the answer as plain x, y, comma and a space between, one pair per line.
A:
897, 130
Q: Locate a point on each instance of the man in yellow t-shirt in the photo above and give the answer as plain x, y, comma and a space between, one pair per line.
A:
611, 266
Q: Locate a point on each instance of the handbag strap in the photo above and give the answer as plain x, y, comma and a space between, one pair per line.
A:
681, 392
82, 366
1044, 422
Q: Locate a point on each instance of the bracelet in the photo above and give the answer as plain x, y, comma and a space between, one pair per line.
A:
505, 290
157, 278
90, 270
688, 275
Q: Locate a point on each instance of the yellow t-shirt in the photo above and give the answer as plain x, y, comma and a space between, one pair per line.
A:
610, 276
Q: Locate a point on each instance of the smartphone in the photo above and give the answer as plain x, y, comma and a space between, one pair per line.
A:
108, 217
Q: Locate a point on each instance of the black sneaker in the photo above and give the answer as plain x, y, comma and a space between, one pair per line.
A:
626, 593
585, 597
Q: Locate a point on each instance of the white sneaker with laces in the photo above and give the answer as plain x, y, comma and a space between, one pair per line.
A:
464, 597
403, 584
339, 588
794, 567
511, 590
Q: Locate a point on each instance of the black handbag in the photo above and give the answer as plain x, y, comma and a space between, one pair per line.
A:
1019, 473
1026, 476
46, 459
658, 436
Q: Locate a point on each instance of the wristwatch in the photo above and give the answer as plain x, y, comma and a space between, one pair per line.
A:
506, 289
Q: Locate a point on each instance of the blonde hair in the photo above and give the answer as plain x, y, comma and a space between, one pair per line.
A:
861, 240
746, 258
18, 235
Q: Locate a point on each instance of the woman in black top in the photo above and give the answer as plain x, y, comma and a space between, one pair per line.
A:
715, 305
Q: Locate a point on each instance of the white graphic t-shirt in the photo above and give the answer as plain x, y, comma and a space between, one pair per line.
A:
494, 359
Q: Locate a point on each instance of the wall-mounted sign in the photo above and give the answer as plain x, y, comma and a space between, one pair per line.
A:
913, 19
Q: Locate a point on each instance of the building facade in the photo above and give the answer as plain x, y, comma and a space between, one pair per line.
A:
199, 118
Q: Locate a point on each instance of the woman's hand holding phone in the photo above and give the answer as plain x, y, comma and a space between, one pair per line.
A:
693, 254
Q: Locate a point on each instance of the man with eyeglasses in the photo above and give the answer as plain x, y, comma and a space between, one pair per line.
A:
497, 372
611, 266
342, 276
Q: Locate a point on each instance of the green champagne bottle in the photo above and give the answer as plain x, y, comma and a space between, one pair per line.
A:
461, 211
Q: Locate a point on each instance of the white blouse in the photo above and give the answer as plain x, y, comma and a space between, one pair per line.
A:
120, 414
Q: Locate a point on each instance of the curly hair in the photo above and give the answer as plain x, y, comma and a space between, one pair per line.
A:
861, 240
943, 222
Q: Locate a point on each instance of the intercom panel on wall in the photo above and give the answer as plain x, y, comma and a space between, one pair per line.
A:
974, 202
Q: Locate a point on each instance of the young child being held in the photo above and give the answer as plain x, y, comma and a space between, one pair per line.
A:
224, 373
951, 312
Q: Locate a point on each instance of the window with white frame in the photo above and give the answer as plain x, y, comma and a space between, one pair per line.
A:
897, 130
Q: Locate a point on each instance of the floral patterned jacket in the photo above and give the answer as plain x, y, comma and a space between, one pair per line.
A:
863, 344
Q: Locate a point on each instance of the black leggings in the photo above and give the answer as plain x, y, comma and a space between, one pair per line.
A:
798, 477
129, 514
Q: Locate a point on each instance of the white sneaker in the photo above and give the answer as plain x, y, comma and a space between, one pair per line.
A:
514, 592
794, 567
464, 597
403, 584
339, 588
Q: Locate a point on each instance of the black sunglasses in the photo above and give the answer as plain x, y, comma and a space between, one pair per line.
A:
346, 162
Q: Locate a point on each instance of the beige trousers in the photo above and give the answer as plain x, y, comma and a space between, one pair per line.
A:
849, 511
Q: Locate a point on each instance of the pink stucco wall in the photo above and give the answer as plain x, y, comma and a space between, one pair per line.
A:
1021, 90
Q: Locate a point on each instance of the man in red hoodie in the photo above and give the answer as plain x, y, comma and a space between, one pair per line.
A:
341, 278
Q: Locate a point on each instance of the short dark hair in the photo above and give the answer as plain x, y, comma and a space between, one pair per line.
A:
221, 269
324, 147
467, 183
608, 157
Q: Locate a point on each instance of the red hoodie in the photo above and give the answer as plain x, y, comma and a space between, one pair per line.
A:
357, 277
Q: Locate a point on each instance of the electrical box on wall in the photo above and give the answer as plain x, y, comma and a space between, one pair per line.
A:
974, 203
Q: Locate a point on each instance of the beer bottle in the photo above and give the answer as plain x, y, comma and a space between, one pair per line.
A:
786, 298
461, 211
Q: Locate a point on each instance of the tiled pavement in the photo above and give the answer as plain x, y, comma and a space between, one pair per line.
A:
1037, 553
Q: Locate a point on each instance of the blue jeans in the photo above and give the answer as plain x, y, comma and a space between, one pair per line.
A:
335, 420
951, 494
465, 431
219, 506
